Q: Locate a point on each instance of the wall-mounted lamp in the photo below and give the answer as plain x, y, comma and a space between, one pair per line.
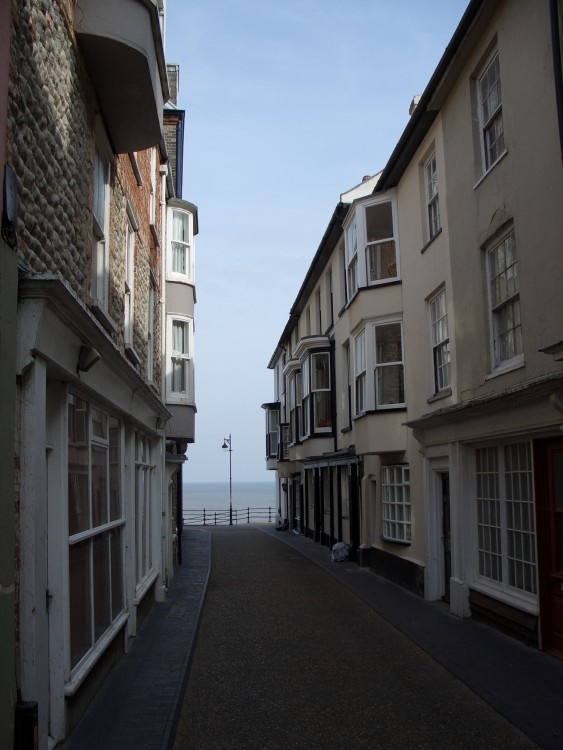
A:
87, 358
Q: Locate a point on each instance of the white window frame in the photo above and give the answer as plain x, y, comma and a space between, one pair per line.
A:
92, 535
100, 229
351, 259
505, 543
504, 304
396, 503
360, 369
295, 405
376, 272
305, 426
432, 197
187, 276
272, 432
144, 490
381, 366
321, 392
441, 355
186, 356
491, 123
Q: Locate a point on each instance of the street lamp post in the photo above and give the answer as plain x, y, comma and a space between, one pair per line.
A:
227, 447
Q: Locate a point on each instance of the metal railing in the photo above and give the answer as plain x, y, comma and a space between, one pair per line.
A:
219, 517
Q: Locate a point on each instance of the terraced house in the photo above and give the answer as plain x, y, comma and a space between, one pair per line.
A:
98, 246
418, 382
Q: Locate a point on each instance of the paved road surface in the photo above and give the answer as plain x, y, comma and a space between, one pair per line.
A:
287, 657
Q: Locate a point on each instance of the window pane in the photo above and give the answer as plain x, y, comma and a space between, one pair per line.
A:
488, 514
322, 409
78, 494
179, 337
390, 385
179, 257
99, 485
520, 517
490, 90
379, 222
114, 473
388, 343
80, 586
396, 503
320, 371
180, 227
382, 262
178, 375
101, 579
99, 424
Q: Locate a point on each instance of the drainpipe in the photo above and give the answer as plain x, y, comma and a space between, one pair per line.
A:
557, 67
179, 507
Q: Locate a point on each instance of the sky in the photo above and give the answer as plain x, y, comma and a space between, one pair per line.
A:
289, 103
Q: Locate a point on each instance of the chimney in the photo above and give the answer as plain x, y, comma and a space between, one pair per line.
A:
414, 103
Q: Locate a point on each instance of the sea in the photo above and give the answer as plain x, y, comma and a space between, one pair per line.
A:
215, 495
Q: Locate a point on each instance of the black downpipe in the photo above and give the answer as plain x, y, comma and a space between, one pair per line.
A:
179, 511
557, 67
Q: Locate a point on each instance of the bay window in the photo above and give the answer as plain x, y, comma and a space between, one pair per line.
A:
310, 393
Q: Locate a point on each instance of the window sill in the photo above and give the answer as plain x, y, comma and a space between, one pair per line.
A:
180, 278
180, 400
132, 355
401, 542
509, 366
382, 282
430, 241
440, 395
103, 317
514, 598
83, 669
490, 169
144, 586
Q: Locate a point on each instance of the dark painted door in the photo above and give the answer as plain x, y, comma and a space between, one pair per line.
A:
446, 535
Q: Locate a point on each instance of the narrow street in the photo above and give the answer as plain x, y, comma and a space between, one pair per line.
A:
288, 657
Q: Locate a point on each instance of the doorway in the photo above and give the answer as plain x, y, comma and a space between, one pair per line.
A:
548, 472
446, 534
